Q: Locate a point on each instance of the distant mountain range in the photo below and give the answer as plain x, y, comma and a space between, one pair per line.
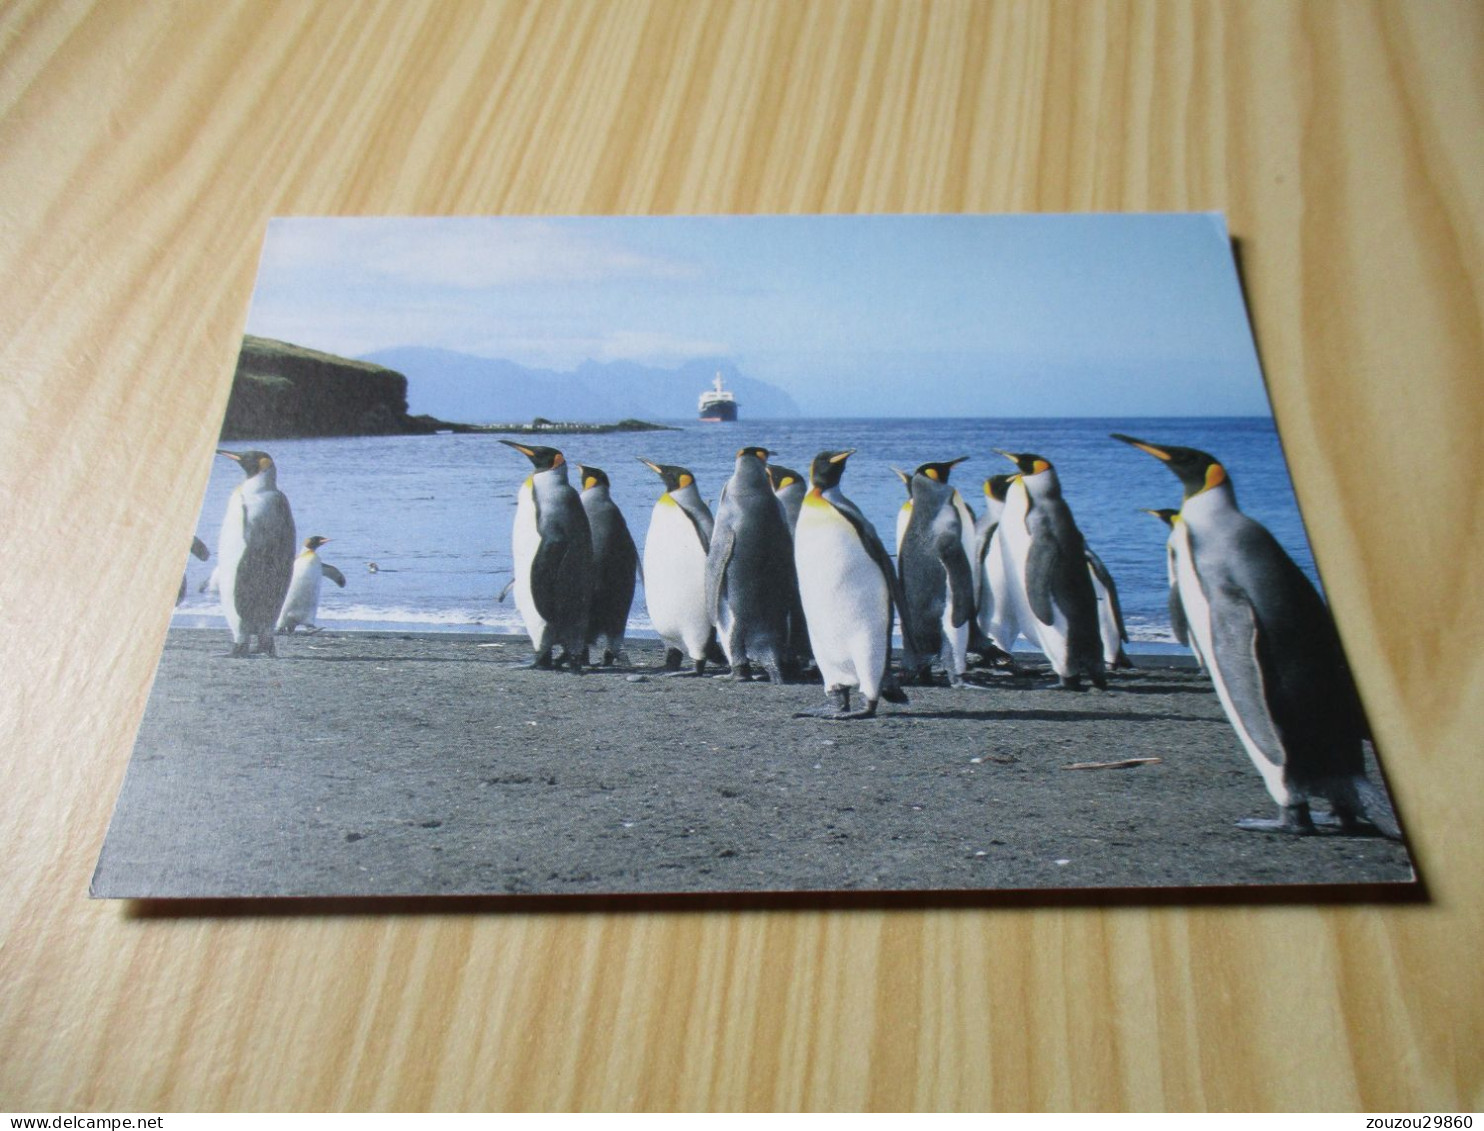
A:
483, 390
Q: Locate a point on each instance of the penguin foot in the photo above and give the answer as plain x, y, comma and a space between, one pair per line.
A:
1292, 819
742, 673
673, 656
838, 708
265, 646
238, 652
893, 693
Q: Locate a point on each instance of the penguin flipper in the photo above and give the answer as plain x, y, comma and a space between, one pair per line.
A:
199, 550
723, 542
1041, 564
1178, 622
546, 577
333, 574
1105, 579
1237, 653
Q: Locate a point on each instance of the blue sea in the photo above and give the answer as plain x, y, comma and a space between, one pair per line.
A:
435, 512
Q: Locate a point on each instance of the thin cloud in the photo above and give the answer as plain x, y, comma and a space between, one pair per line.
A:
459, 254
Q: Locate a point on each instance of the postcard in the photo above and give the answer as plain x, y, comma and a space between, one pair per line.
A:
616, 555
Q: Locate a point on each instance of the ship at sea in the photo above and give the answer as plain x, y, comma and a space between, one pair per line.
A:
717, 404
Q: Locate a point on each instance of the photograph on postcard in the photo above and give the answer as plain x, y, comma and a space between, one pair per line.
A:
606, 555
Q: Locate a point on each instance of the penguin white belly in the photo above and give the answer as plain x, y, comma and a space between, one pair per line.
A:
1015, 537
675, 580
302, 603
525, 540
1198, 617
955, 641
845, 597
1107, 622
999, 619
904, 516
231, 545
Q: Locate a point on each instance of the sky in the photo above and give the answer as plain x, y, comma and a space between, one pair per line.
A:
1023, 315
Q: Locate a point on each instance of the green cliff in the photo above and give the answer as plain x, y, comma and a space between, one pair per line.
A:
285, 391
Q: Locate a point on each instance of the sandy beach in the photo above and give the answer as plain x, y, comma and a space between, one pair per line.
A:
364, 764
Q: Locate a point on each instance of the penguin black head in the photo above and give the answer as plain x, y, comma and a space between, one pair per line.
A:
754, 450
1196, 470
827, 468
780, 477
592, 476
675, 477
252, 463
1165, 515
996, 486
938, 472
1027, 463
542, 459
315, 542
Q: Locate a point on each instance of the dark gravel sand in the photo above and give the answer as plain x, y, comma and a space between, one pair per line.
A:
383, 764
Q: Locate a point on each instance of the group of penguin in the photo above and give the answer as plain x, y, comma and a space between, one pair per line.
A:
265, 587
786, 572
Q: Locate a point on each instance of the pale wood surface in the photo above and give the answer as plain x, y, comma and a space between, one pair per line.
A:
142, 149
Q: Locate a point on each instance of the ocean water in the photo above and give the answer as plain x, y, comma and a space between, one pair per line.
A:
435, 512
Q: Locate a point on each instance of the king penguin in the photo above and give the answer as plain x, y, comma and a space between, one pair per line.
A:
1048, 558
1176, 548
255, 554
848, 588
749, 570
615, 561
1273, 653
552, 545
301, 605
936, 577
675, 551
789, 488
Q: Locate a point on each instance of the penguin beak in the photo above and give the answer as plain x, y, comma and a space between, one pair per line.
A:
841, 457
230, 455
956, 462
1157, 453
654, 467
1011, 456
521, 448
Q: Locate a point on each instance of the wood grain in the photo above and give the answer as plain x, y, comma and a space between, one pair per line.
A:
142, 149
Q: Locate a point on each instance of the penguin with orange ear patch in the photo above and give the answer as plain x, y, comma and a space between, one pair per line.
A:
615, 561
1271, 647
552, 544
1058, 608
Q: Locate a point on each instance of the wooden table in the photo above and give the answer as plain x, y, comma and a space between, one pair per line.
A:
143, 147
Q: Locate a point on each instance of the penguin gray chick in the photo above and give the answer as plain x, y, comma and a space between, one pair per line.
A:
675, 550
789, 487
1048, 557
749, 570
255, 554
849, 588
552, 546
995, 609
301, 605
201, 553
936, 578
615, 562
1273, 653
1111, 629
1176, 546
